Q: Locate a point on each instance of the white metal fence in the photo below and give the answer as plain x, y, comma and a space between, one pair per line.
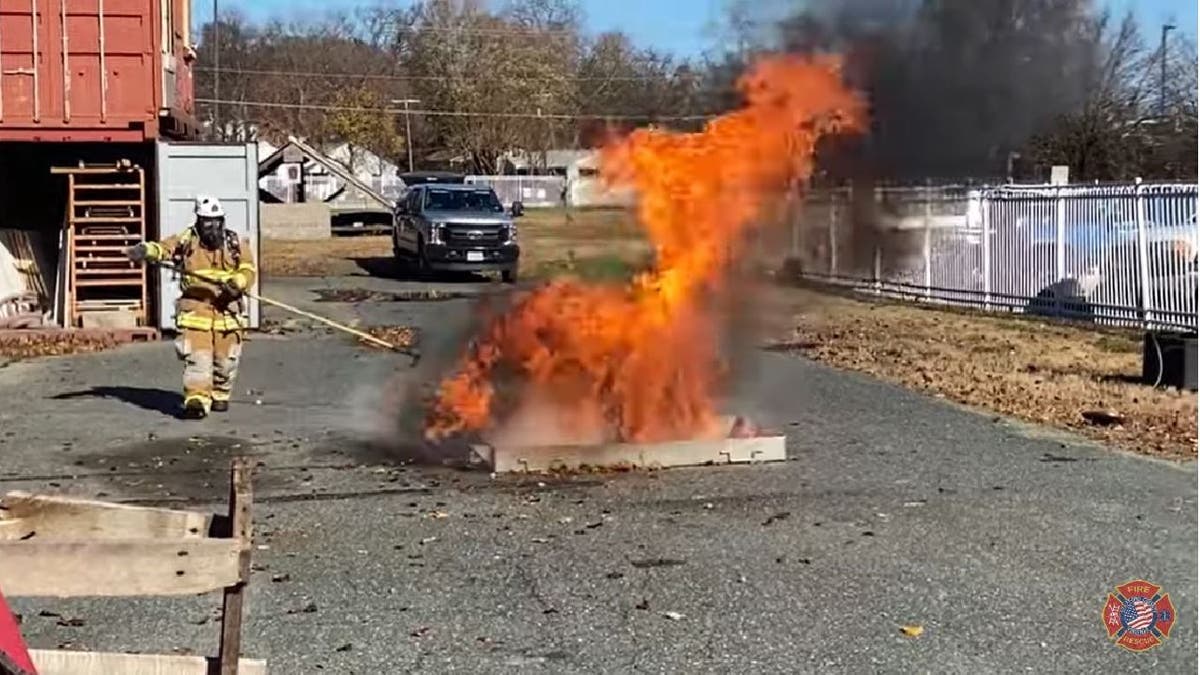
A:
1117, 255
531, 191
549, 191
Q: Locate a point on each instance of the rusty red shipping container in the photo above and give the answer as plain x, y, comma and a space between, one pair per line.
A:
96, 70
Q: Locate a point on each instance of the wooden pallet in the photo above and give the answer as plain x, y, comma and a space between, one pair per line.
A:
65, 547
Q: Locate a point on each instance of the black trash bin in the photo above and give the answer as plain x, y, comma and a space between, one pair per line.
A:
1169, 359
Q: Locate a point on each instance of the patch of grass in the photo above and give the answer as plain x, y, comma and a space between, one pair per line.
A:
583, 224
336, 256
605, 244
1118, 344
593, 268
1035, 370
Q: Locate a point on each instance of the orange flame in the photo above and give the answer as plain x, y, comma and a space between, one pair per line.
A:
640, 362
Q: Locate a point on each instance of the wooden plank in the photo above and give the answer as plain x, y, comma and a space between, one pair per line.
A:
105, 568
106, 236
633, 455
107, 272
240, 501
23, 515
115, 282
117, 203
95, 220
72, 293
110, 186
92, 170
59, 662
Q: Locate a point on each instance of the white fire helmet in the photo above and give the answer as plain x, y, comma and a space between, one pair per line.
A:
208, 206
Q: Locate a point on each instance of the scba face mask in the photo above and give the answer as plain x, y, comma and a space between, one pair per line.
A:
211, 232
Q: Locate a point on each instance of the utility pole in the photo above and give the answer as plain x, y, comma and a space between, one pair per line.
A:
1162, 76
216, 56
407, 128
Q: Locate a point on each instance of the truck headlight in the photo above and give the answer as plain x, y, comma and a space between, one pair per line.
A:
512, 234
435, 232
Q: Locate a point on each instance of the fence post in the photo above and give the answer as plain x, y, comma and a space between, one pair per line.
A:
833, 248
1060, 246
985, 218
928, 244
1143, 253
877, 271
1060, 235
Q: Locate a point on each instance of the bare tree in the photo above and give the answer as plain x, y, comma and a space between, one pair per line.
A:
520, 78
1119, 133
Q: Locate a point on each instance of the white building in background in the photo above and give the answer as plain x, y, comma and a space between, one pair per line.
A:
320, 184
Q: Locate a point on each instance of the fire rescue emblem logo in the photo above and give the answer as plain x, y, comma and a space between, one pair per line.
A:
1139, 616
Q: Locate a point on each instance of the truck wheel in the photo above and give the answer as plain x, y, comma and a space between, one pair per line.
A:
509, 276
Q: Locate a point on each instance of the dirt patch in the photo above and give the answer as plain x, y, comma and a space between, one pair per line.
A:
356, 295
400, 336
336, 256
1078, 378
15, 346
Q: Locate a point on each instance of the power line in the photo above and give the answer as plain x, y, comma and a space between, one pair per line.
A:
461, 113
420, 78
456, 30
502, 32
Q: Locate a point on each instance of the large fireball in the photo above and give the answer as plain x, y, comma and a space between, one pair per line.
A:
640, 362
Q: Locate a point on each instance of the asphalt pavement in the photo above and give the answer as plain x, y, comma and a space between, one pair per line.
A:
1000, 540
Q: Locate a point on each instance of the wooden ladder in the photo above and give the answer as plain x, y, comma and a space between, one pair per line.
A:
106, 212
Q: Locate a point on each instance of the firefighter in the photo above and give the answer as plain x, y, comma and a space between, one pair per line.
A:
210, 312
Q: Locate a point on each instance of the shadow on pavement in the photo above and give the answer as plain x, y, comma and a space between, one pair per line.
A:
156, 400
383, 267
389, 268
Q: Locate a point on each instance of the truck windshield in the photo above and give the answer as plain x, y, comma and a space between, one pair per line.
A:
462, 200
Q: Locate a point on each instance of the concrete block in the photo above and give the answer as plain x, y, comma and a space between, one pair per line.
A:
537, 459
295, 222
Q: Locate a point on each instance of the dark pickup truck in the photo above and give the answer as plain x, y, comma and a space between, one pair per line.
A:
456, 228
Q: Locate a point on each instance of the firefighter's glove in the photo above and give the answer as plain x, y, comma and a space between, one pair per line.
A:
137, 253
231, 289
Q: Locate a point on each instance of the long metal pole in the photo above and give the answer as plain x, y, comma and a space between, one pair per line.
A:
216, 52
1162, 75
408, 135
367, 337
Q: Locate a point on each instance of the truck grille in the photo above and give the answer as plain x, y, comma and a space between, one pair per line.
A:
458, 234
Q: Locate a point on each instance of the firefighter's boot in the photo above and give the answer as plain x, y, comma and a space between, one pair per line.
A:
193, 409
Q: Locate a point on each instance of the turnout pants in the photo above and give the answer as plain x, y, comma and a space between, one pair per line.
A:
210, 364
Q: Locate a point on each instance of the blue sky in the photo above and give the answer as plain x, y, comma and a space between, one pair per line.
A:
681, 26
